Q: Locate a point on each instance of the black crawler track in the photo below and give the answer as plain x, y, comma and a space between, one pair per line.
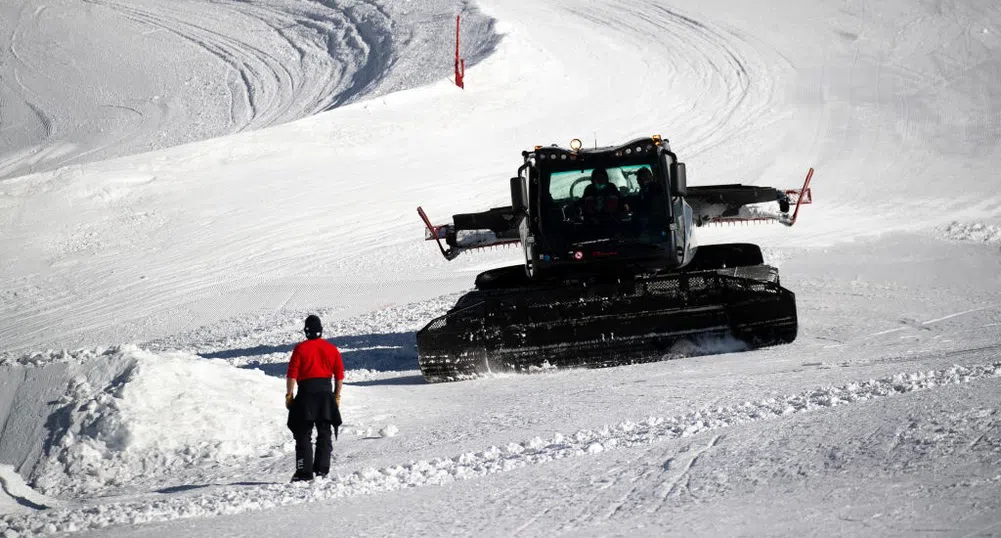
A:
604, 324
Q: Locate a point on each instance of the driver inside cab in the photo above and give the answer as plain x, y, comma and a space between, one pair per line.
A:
601, 196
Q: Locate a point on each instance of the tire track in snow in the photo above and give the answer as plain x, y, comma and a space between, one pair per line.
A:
738, 77
28, 95
737, 72
620, 503
271, 63
29, 98
493, 460
359, 50
674, 484
244, 59
379, 55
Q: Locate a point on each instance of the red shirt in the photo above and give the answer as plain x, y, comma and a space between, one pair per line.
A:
315, 358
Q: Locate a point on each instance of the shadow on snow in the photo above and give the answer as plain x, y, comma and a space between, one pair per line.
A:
189, 487
389, 352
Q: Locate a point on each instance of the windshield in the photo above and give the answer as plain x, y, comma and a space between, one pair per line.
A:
565, 186
617, 202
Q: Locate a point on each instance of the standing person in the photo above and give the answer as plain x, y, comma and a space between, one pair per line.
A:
314, 362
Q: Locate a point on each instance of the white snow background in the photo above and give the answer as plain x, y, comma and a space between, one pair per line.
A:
149, 301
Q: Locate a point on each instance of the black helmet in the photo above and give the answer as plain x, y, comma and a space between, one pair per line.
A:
313, 328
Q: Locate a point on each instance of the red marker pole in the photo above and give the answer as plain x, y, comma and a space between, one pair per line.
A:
460, 64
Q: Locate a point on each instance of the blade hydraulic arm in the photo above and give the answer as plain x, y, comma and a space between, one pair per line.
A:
497, 226
718, 204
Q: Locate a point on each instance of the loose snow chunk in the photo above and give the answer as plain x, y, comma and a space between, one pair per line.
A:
693, 429
535, 443
491, 453
514, 448
544, 367
595, 448
389, 431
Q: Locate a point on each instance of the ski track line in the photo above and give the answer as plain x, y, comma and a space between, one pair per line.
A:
720, 67
265, 89
950, 316
675, 482
737, 76
924, 324
492, 460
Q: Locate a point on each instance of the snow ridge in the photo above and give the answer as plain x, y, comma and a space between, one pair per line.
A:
492, 460
39, 359
977, 232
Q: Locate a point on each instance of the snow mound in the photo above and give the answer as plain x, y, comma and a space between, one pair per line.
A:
977, 232
163, 413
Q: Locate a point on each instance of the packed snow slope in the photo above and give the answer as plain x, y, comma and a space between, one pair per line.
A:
73, 91
150, 302
310, 213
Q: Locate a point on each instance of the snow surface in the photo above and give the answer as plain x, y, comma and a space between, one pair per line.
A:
150, 302
180, 71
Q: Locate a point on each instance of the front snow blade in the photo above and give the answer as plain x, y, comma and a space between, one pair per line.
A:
600, 325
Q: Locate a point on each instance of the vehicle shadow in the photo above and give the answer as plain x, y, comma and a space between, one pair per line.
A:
403, 380
388, 352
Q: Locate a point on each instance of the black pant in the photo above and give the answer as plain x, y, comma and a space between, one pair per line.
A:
306, 464
313, 406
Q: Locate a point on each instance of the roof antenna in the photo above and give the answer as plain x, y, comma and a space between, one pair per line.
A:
596, 140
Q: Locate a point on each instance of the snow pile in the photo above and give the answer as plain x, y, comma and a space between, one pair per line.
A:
977, 232
762, 211
475, 238
491, 460
162, 413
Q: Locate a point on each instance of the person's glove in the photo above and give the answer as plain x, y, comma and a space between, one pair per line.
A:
288, 400
337, 400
